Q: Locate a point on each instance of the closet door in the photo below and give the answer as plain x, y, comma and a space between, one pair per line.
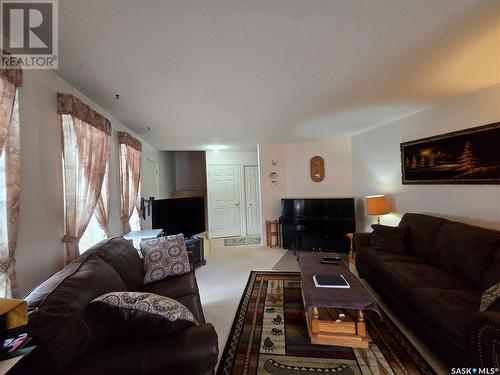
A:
224, 200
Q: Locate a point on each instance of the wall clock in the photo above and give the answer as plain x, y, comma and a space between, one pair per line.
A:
317, 169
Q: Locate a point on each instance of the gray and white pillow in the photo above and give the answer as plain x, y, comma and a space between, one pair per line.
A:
165, 256
489, 297
149, 303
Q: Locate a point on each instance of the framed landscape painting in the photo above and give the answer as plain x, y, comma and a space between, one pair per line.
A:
470, 156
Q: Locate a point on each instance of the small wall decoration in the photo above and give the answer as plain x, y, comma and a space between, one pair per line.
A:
273, 178
470, 156
317, 169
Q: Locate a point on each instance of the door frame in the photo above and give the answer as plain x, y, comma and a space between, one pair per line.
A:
243, 203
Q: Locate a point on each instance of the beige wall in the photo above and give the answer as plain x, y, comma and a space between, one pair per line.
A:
292, 165
232, 157
190, 170
270, 195
166, 174
377, 167
39, 248
336, 154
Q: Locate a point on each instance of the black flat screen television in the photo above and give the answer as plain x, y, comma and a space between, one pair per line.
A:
179, 215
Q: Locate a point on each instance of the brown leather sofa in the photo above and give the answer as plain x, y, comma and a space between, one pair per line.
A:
436, 286
72, 341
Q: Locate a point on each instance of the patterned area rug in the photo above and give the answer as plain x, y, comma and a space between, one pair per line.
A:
250, 240
269, 337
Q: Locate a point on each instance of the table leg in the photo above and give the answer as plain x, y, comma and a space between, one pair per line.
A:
360, 323
315, 313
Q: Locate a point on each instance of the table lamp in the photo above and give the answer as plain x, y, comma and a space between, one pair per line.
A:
377, 205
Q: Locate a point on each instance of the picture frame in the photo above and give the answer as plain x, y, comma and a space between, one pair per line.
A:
469, 156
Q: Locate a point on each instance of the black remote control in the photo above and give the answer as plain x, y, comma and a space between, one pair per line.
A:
329, 262
334, 258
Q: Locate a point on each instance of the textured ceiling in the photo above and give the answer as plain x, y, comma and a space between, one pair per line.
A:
237, 73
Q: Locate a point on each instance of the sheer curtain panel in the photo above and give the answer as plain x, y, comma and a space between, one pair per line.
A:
85, 143
10, 80
130, 177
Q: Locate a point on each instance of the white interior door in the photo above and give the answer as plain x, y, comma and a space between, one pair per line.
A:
150, 179
252, 199
224, 200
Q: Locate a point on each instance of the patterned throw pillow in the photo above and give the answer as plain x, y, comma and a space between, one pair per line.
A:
164, 256
490, 296
149, 303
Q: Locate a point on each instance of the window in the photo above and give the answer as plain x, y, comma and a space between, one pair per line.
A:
85, 156
94, 232
92, 235
135, 220
130, 181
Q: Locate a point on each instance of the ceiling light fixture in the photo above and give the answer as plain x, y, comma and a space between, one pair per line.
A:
215, 148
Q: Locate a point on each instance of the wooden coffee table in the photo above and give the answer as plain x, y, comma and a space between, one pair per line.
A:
335, 316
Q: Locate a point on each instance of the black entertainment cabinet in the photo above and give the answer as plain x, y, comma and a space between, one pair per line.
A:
182, 215
195, 244
317, 223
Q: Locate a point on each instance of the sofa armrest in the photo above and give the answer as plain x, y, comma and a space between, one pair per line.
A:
360, 239
193, 351
484, 338
191, 259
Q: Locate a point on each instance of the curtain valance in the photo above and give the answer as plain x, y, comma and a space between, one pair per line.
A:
127, 139
14, 76
68, 104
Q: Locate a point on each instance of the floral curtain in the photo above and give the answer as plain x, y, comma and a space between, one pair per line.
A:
10, 79
130, 177
85, 136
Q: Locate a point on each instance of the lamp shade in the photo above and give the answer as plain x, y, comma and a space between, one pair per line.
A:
377, 205
15, 312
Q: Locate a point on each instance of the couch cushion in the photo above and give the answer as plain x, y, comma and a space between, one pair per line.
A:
57, 309
468, 252
492, 275
401, 277
123, 257
174, 286
436, 306
373, 257
422, 231
193, 303
389, 238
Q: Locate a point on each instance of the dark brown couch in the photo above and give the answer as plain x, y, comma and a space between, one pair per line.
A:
72, 341
436, 286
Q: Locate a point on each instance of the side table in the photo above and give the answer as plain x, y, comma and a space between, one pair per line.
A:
273, 230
